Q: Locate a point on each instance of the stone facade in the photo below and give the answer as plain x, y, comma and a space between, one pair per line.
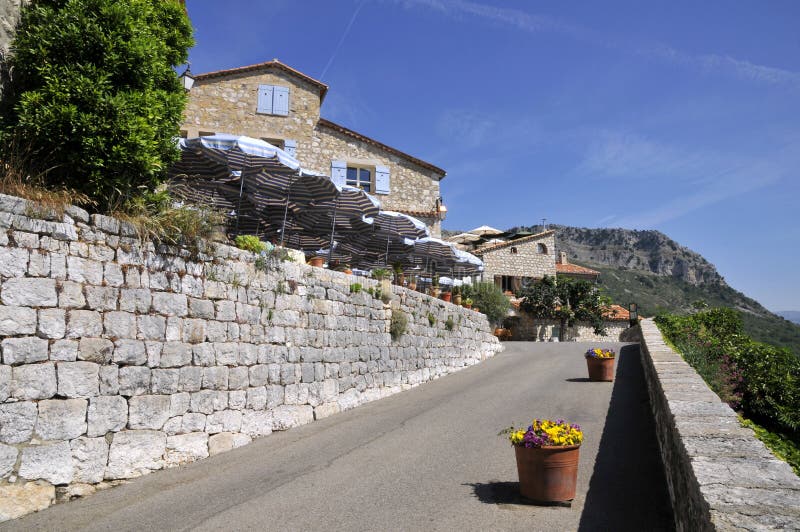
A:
720, 477
227, 102
119, 359
530, 257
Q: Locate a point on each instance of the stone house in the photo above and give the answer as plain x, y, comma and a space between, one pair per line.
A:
274, 102
565, 269
513, 262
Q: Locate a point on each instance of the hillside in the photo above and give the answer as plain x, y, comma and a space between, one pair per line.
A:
651, 269
791, 315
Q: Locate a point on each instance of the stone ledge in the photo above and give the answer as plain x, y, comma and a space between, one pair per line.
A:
720, 476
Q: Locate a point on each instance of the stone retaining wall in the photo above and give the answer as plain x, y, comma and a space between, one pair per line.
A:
119, 359
720, 476
529, 329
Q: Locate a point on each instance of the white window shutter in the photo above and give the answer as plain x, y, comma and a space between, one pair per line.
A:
382, 180
280, 101
290, 147
265, 99
339, 173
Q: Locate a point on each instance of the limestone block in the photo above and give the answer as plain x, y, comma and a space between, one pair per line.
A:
193, 422
226, 353
173, 426
52, 323
208, 401
129, 352
216, 331
134, 380
170, 304
238, 378
103, 298
185, 448
190, 379
34, 381
112, 274
84, 270
220, 443
247, 354
29, 292
8, 459
225, 310
24, 350
84, 323
5, 383
98, 350
203, 354
258, 375
78, 379
106, 414
237, 399
175, 355
17, 421
89, 456
51, 462
326, 409
154, 350
134, 453
201, 308
179, 403
135, 300
275, 395
274, 373
17, 320
256, 423
215, 378
194, 331
21, 498
70, 295
151, 327
120, 324
164, 381
109, 380
148, 411
107, 224
174, 332
256, 398
288, 416
61, 419
14, 262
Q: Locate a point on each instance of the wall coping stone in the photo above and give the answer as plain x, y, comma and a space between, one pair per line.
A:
720, 476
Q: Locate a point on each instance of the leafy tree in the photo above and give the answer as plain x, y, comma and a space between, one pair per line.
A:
490, 299
566, 300
93, 96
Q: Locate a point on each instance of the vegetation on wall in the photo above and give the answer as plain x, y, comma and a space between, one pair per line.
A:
490, 299
759, 380
93, 97
567, 301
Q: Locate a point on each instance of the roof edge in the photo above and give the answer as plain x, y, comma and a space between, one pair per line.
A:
501, 245
323, 88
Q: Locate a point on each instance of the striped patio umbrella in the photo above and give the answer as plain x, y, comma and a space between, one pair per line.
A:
436, 249
399, 224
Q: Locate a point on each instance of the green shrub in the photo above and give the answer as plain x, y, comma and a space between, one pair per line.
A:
490, 299
449, 324
381, 273
250, 243
94, 96
398, 324
431, 319
355, 288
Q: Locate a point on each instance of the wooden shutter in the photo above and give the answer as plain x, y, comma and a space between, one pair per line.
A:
381, 180
290, 147
280, 101
339, 173
265, 99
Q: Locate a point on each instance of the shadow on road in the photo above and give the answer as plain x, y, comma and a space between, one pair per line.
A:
505, 493
627, 490
578, 379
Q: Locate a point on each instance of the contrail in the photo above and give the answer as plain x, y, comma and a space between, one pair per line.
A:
341, 41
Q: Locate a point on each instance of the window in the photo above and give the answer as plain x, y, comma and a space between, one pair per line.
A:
278, 143
359, 176
541, 248
205, 133
273, 100
514, 250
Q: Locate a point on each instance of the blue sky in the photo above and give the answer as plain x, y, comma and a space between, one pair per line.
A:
677, 116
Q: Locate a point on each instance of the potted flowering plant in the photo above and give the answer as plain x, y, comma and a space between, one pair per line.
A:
547, 455
600, 363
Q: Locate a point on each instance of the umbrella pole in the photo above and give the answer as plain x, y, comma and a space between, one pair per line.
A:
387, 249
285, 212
333, 232
239, 208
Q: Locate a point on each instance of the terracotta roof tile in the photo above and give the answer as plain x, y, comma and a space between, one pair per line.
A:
574, 268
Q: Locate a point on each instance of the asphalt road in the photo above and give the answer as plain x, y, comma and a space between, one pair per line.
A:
426, 459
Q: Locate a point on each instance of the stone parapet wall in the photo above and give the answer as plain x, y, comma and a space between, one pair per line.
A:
720, 476
119, 358
526, 328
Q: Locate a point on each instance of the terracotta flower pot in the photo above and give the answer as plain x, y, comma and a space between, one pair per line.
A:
548, 474
467, 306
446, 296
457, 299
412, 285
316, 261
600, 369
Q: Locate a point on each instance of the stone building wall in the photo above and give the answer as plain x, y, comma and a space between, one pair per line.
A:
119, 359
525, 328
526, 261
720, 477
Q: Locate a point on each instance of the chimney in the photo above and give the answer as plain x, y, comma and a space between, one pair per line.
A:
562, 257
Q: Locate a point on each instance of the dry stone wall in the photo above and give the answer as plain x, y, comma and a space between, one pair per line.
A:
720, 477
119, 358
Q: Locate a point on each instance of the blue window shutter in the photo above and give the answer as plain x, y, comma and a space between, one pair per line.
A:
290, 147
280, 101
339, 172
265, 99
382, 180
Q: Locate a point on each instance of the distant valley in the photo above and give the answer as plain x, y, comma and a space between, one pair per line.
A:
791, 315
